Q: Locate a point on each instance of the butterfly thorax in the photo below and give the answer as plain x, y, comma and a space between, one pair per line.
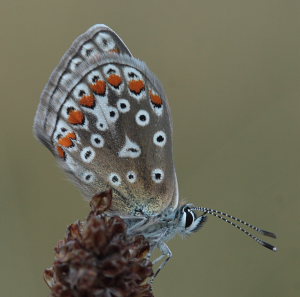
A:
166, 225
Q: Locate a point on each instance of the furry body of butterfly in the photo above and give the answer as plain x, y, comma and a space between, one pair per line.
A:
105, 117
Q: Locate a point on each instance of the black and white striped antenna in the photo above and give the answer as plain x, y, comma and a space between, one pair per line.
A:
223, 216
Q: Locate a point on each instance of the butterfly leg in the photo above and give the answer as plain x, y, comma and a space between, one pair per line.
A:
134, 223
158, 259
166, 252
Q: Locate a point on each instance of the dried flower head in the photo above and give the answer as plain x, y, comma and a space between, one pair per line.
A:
97, 258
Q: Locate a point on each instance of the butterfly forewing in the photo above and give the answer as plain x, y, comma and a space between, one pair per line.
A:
107, 120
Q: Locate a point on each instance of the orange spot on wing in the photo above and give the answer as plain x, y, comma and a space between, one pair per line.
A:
115, 50
65, 141
115, 80
72, 135
61, 152
76, 117
88, 101
99, 87
155, 99
136, 86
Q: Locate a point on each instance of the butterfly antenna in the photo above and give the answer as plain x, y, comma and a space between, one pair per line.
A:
223, 216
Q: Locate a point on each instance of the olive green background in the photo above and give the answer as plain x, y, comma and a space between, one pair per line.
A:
231, 72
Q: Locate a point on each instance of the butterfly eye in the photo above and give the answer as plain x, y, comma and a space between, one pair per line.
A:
189, 222
189, 217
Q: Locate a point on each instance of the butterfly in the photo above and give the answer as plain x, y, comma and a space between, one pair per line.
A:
105, 117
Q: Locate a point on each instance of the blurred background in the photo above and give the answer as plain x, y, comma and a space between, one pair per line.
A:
231, 72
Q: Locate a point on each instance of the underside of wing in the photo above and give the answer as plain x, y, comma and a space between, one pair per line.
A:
104, 115
91, 45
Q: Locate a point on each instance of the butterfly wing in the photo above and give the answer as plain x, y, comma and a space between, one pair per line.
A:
105, 116
92, 44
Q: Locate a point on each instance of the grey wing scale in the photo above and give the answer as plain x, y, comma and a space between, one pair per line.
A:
105, 116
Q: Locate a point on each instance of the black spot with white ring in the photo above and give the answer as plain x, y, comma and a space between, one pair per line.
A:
157, 175
113, 114
131, 176
142, 118
102, 125
123, 105
88, 177
87, 154
97, 140
160, 138
115, 179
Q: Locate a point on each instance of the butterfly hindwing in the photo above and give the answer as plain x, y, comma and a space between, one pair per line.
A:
89, 46
106, 118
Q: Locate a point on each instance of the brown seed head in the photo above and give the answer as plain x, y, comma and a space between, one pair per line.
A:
98, 258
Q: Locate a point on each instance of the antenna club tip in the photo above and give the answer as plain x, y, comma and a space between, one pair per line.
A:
269, 246
268, 233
